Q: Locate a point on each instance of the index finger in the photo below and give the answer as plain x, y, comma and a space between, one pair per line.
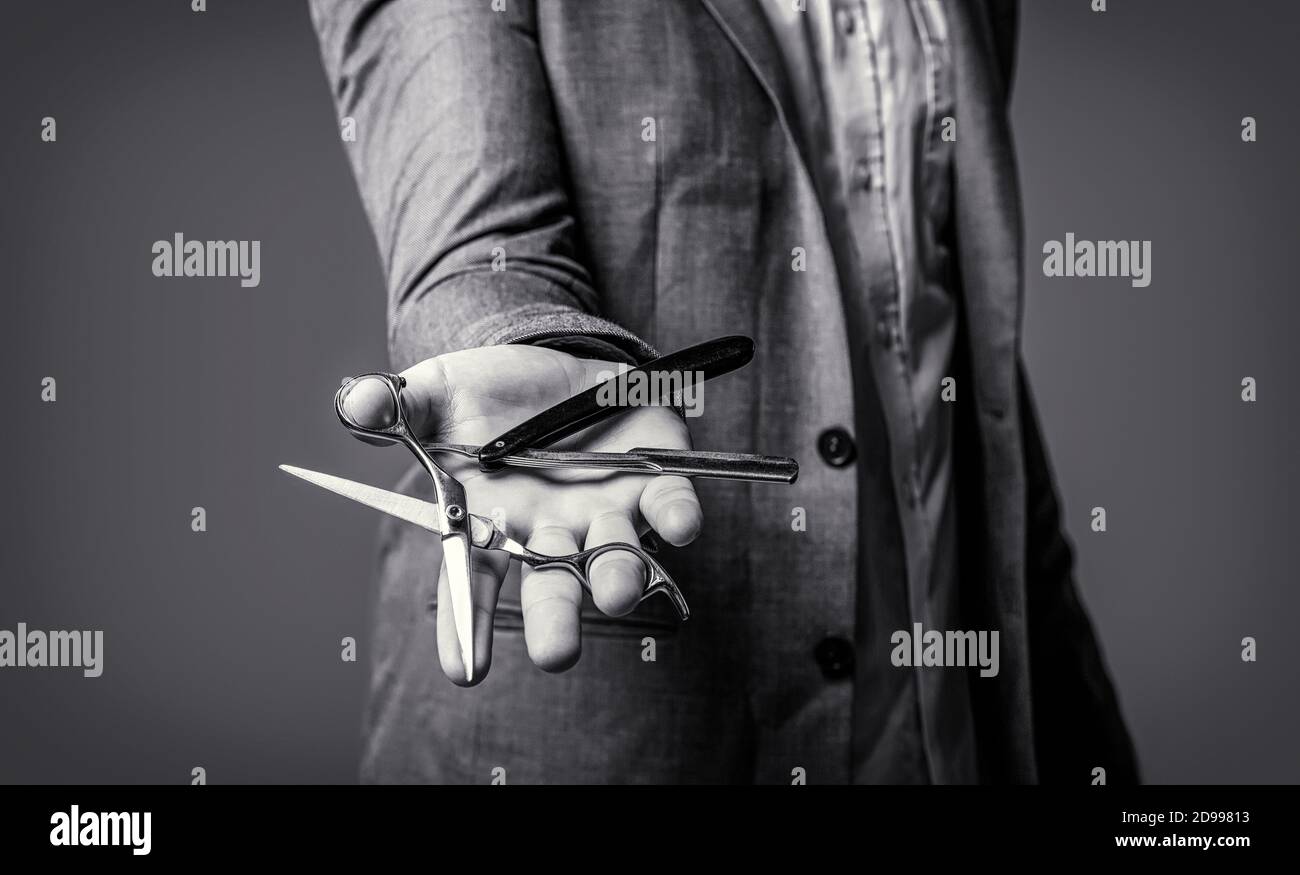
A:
671, 507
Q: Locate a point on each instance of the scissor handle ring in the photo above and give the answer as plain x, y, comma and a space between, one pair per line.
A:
398, 431
657, 579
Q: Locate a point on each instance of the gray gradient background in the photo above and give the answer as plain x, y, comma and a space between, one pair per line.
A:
222, 648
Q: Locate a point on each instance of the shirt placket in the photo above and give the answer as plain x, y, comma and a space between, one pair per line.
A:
866, 168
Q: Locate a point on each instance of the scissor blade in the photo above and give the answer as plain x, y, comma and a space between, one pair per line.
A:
455, 546
654, 462
455, 553
421, 513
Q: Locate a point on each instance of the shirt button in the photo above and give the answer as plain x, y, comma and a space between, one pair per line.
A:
862, 177
836, 447
834, 657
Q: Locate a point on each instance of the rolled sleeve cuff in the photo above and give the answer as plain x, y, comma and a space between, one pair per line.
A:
559, 327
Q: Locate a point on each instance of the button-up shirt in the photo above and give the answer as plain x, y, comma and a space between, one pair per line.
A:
874, 82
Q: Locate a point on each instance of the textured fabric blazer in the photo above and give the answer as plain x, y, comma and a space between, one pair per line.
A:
637, 166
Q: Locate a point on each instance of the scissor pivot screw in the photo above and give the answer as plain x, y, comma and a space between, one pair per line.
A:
499, 444
455, 512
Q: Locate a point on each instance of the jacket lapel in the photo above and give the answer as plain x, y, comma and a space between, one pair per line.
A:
746, 26
987, 206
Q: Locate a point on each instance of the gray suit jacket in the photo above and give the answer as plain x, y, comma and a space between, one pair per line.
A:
525, 133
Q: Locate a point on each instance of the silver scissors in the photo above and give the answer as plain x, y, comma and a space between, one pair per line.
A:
486, 535
460, 530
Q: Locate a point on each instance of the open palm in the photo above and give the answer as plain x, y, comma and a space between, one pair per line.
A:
474, 395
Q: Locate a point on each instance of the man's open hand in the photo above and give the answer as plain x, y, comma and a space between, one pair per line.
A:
474, 395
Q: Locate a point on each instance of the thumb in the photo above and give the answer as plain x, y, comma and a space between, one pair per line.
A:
424, 398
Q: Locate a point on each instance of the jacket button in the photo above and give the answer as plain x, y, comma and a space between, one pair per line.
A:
836, 447
834, 657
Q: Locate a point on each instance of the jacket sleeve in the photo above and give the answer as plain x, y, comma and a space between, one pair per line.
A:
457, 158
1077, 721
1004, 20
